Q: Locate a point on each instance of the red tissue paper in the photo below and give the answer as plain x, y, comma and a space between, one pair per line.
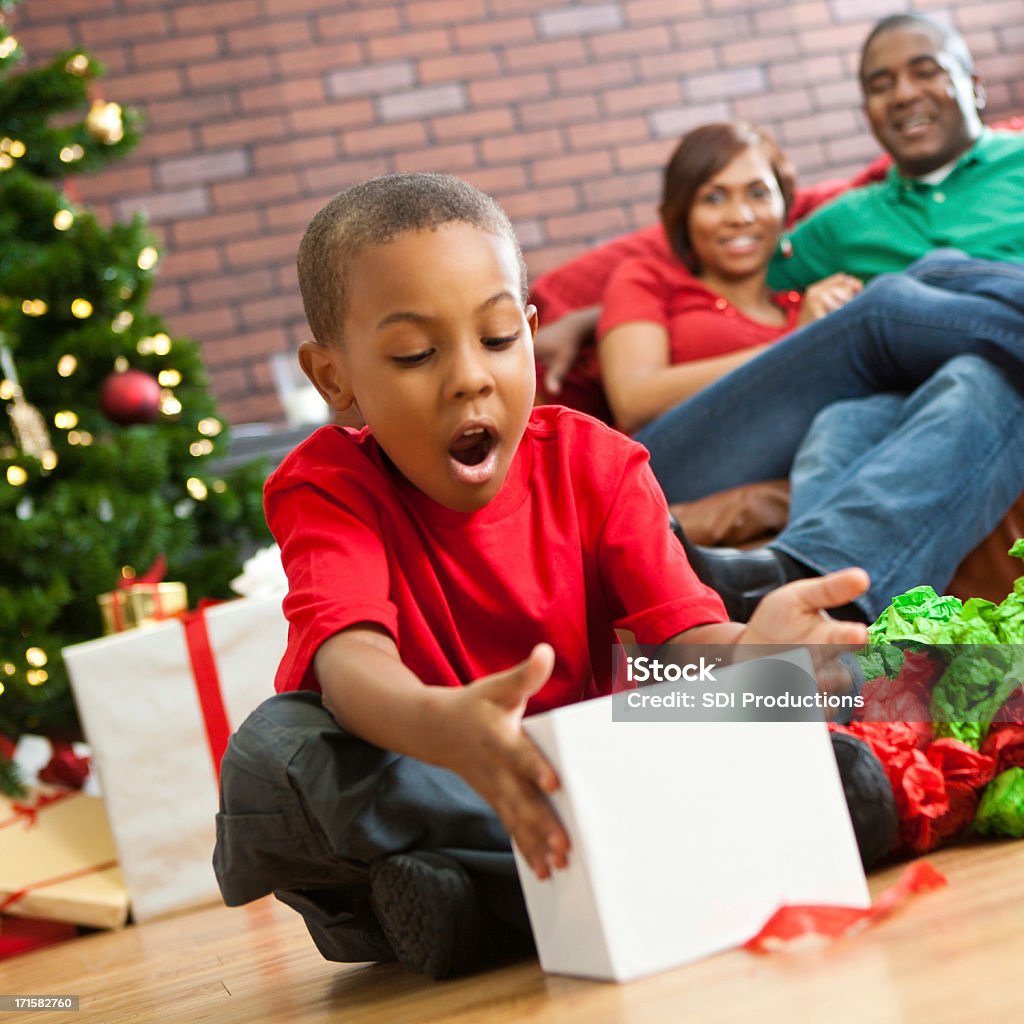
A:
795, 928
24, 934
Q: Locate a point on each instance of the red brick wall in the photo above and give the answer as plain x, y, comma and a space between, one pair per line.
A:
258, 110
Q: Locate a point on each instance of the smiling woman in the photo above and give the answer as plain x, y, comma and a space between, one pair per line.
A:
671, 326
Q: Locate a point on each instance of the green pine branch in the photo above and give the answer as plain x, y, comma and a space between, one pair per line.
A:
73, 312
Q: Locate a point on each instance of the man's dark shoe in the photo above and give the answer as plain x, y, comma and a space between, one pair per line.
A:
869, 798
741, 578
430, 912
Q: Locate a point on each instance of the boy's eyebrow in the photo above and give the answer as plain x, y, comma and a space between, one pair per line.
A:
408, 317
495, 299
402, 318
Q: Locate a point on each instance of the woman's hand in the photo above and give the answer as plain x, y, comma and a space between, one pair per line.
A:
556, 345
827, 295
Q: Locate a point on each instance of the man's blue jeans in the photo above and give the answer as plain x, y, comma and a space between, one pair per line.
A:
911, 484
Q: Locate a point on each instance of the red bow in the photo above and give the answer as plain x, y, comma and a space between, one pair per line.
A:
154, 574
65, 768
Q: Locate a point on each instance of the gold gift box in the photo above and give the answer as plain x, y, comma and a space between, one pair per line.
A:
141, 604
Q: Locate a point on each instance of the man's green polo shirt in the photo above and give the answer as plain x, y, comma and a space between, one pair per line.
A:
978, 207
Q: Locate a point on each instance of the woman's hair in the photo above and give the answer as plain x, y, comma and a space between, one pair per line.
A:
700, 155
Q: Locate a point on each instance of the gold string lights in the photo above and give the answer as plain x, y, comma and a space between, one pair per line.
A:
122, 322
154, 345
10, 150
103, 122
196, 488
77, 64
148, 258
209, 426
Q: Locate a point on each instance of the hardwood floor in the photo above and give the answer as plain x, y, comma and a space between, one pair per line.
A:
953, 956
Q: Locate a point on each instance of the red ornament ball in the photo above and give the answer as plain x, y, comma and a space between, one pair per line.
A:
130, 397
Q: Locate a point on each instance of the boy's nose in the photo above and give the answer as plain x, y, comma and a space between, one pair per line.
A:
470, 377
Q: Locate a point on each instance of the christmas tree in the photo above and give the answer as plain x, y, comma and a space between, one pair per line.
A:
109, 442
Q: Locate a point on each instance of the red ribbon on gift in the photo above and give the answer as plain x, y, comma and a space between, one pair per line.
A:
29, 813
69, 876
207, 682
154, 575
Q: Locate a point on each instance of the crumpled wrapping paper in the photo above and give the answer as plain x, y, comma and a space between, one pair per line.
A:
262, 575
794, 928
944, 713
1001, 812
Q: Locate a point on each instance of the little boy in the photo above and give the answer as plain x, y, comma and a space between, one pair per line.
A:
460, 562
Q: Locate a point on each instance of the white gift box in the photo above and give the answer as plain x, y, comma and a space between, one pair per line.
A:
686, 835
153, 734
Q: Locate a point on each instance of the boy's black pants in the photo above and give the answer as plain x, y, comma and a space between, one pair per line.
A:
306, 808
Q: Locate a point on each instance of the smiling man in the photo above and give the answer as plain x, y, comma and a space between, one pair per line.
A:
954, 183
921, 95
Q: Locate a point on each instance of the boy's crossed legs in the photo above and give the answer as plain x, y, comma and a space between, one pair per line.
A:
382, 855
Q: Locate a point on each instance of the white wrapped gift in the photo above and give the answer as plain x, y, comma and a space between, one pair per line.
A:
157, 711
686, 835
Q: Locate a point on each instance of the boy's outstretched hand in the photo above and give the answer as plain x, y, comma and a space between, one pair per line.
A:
795, 613
493, 754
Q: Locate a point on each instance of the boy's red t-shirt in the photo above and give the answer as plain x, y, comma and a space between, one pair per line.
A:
575, 543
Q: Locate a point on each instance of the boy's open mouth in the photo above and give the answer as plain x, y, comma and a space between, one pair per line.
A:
472, 446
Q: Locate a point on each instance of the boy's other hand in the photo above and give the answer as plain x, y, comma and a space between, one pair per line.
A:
796, 613
492, 753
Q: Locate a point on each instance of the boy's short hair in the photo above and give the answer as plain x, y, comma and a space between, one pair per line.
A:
376, 212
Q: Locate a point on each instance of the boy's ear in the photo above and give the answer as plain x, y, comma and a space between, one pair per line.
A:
532, 319
324, 367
